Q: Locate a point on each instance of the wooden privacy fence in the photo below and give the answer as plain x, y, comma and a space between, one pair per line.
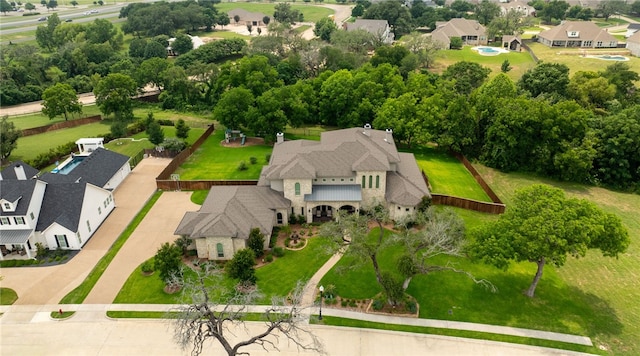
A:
199, 184
61, 125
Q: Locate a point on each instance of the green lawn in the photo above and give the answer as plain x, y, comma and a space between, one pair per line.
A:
311, 13
31, 146
280, 277
447, 175
38, 119
572, 58
520, 61
213, 161
7, 296
612, 284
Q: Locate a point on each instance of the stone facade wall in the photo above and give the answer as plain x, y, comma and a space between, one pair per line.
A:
397, 212
372, 195
297, 201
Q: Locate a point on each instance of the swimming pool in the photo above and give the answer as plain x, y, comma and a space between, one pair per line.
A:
607, 57
67, 167
489, 51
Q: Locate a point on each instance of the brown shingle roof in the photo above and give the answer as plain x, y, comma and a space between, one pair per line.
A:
587, 31
459, 27
406, 186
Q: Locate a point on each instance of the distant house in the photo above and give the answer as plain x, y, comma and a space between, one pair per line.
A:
470, 31
62, 209
348, 170
633, 44
380, 28
631, 29
247, 17
519, 6
580, 34
195, 40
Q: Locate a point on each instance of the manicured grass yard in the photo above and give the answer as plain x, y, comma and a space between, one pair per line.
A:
311, 13
213, 161
38, 119
447, 175
577, 63
610, 284
520, 61
281, 276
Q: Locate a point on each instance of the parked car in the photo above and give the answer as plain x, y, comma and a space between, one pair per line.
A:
94, 11
68, 20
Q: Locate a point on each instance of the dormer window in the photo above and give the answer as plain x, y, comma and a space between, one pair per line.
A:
573, 34
6, 207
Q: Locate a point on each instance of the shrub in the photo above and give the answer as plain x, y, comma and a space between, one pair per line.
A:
269, 258
267, 157
378, 304
41, 251
256, 241
274, 237
287, 242
165, 122
253, 160
173, 144
278, 252
343, 302
242, 166
411, 306
242, 265
147, 267
352, 303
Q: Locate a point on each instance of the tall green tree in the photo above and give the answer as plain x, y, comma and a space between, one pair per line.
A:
486, 11
113, 95
546, 78
624, 78
395, 13
182, 44
242, 266
44, 34
466, 76
256, 241
60, 99
543, 226
232, 108
9, 135
155, 132
324, 28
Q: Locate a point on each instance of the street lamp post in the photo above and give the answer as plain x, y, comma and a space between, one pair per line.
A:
321, 297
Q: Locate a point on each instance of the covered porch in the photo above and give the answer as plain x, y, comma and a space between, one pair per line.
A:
325, 201
15, 245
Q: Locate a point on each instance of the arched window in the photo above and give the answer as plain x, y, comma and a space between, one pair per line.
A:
220, 250
370, 181
279, 218
297, 188
363, 182
377, 182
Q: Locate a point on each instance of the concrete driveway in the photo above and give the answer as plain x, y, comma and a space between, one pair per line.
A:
47, 285
156, 228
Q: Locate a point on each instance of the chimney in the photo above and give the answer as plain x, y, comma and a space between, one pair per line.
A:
367, 127
20, 174
279, 137
389, 137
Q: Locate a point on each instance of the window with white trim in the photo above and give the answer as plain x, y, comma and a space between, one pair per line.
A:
61, 241
19, 220
5, 221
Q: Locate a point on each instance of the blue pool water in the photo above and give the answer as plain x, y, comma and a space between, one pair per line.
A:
487, 50
69, 166
614, 58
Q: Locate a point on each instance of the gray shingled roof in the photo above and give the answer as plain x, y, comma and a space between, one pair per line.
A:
371, 26
587, 31
635, 38
98, 168
232, 211
406, 186
459, 27
11, 190
339, 153
10, 173
62, 204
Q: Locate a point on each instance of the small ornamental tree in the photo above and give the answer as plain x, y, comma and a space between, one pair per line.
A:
155, 132
242, 265
182, 130
256, 241
167, 261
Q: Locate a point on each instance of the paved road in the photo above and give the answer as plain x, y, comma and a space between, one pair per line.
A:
100, 336
47, 285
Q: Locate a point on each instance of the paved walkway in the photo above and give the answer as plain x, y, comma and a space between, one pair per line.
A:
47, 285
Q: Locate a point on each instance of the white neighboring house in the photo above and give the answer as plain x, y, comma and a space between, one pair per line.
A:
379, 28
195, 40
347, 169
62, 209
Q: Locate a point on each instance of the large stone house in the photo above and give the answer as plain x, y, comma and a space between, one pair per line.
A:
347, 169
581, 34
633, 44
62, 209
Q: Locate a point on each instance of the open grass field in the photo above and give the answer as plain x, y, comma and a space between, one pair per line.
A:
611, 284
572, 57
520, 61
38, 119
213, 161
447, 175
311, 13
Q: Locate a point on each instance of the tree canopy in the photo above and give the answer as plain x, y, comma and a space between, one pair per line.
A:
60, 99
544, 227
